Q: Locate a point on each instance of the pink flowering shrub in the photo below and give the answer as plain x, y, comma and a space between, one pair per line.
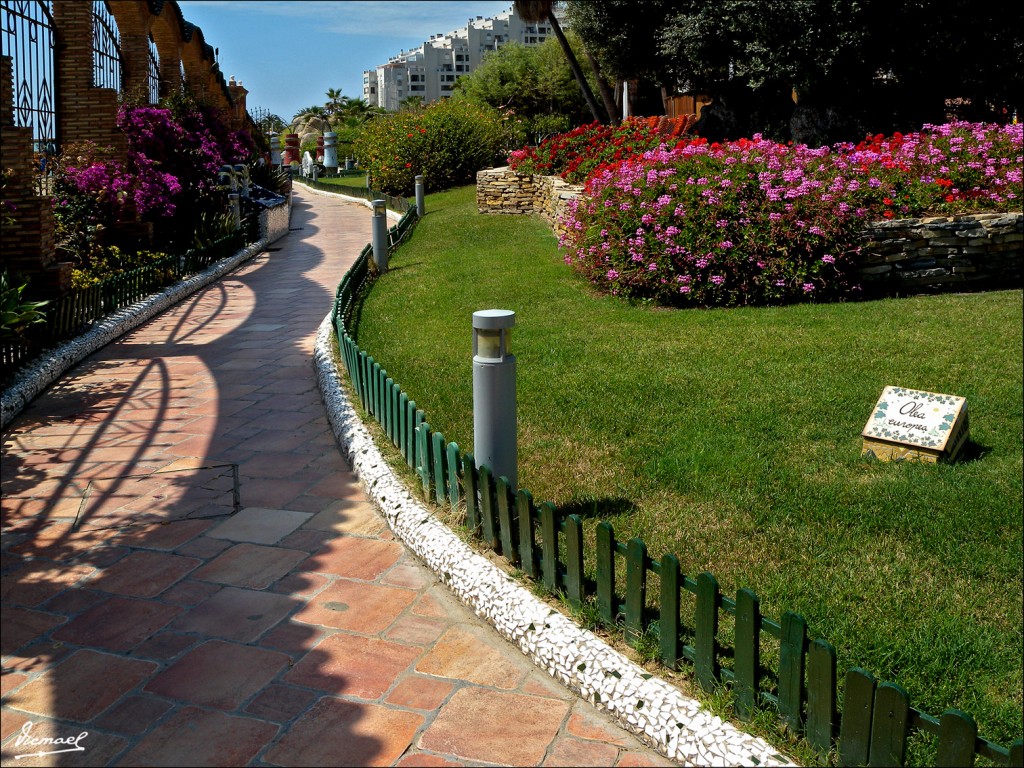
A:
755, 222
170, 178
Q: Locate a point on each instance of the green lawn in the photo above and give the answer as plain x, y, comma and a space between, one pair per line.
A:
732, 438
358, 180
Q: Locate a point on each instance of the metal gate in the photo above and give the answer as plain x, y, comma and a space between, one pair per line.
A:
27, 34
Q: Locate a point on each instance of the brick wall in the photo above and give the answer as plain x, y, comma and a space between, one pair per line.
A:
84, 112
900, 257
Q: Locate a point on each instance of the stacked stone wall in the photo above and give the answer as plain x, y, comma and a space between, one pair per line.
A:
900, 257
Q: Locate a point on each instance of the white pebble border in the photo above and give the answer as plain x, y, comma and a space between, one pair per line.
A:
40, 374
648, 706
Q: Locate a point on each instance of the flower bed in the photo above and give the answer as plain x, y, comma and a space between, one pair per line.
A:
755, 222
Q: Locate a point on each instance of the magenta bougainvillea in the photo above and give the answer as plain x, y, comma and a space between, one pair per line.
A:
169, 176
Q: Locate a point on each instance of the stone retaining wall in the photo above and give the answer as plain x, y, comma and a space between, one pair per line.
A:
501, 190
899, 257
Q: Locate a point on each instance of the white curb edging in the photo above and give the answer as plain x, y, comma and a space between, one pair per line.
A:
40, 374
653, 709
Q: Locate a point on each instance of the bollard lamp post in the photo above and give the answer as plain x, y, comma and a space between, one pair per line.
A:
494, 394
420, 210
380, 235
275, 150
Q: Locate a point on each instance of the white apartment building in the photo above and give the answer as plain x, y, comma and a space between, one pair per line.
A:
430, 70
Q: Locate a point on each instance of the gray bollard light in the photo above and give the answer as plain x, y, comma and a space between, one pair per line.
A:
380, 235
494, 394
420, 210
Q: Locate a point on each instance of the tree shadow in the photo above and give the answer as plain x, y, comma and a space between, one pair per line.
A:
104, 627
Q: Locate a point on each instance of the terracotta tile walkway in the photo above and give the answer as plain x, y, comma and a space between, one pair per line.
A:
192, 575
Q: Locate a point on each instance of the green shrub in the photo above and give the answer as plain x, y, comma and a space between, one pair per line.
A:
446, 141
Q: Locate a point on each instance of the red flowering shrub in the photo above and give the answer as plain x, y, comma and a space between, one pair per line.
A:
576, 154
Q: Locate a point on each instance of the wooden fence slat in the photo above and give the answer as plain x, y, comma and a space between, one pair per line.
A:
957, 735
471, 482
668, 620
636, 588
889, 726
388, 420
506, 524
527, 513
747, 661
361, 382
453, 474
858, 709
549, 545
606, 572
371, 389
423, 457
792, 645
489, 527
821, 695
1017, 754
439, 456
404, 423
574, 560
410, 434
706, 667
379, 396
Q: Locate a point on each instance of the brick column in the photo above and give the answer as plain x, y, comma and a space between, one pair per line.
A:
28, 243
83, 112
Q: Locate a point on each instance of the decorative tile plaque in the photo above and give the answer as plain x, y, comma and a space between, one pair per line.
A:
909, 424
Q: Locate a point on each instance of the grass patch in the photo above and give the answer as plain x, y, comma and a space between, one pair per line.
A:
357, 181
732, 439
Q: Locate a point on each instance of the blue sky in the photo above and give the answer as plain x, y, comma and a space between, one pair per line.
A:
287, 53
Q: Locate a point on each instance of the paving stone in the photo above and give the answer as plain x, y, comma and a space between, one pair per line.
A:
81, 686
280, 703
259, 525
195, 736
472, 654
364, 667
218, 674
347, 733
354, 557
143, 574
236, 614
250, 565
575, 752
474, 725
418, 692
356, 606
117, 624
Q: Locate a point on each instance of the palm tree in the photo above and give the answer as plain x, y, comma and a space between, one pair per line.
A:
335, 102
541, 10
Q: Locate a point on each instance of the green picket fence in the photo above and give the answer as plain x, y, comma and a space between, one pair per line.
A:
875, 720
73, 313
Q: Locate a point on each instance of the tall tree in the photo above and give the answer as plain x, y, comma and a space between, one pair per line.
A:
542, 10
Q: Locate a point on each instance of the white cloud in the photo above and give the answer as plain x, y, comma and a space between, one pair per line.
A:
378, 18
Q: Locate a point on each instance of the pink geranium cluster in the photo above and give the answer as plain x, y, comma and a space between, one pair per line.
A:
756, 222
